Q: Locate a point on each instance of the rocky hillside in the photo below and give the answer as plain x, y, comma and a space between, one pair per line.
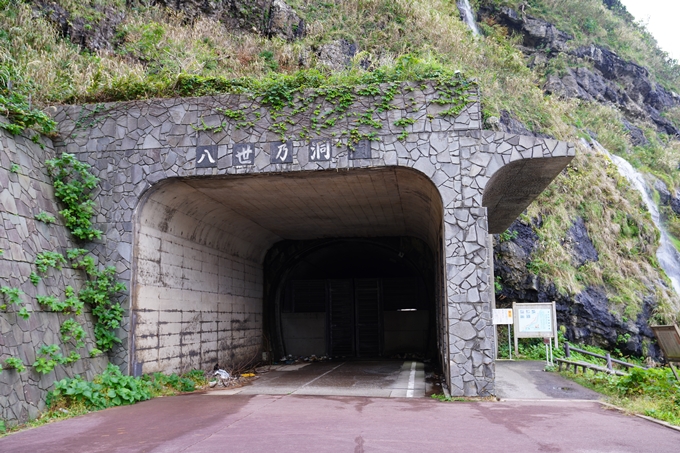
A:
575, 70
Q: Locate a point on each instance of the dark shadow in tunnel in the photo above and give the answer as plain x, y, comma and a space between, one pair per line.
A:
351, 298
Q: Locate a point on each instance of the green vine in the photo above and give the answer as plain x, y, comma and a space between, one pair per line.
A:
47, 259
404, 122
14, 363
45, 217
12, 296
47, 357
72, 330
100, 291
73, 184
326, 100
71, 303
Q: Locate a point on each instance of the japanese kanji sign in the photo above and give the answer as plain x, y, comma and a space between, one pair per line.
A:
320, 150
281, 152
243, 154
206, 156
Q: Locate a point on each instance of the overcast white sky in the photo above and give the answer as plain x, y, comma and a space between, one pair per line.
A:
662, 18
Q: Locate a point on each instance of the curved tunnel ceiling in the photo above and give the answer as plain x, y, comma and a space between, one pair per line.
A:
247, 214
514, 186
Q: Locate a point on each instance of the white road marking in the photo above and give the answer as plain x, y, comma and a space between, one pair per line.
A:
411, 381
317, 378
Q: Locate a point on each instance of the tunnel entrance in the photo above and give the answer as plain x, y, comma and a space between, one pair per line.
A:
342, 263
362, 298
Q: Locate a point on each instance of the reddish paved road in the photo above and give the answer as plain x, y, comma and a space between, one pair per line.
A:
244, 423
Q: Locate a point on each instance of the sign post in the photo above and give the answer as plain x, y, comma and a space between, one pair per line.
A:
534, 320
504, 316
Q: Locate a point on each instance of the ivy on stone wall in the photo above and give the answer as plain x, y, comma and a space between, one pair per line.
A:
73, 185
100, 293
328, 100
12, 296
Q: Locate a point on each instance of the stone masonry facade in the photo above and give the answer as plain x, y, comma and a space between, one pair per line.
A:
25, 191
135, 146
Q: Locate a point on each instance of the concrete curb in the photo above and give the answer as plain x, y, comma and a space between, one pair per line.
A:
645, 417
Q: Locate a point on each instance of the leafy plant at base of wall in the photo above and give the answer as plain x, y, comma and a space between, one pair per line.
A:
73, 184
45, 260
48, 357
112, 388
12, 296
45, 217
72, 330
14, 363
109, 389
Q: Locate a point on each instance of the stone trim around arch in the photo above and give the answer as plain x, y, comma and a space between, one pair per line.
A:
132, 146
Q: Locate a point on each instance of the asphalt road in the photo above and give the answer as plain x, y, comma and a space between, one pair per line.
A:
292, 421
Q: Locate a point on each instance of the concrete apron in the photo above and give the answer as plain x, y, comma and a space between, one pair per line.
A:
387, 379
527, 380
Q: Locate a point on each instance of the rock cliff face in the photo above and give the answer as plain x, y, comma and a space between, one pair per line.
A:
98, 31
586, 315
597, 74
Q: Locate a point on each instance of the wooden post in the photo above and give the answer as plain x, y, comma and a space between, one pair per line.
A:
567, 352
609, 363
673, 369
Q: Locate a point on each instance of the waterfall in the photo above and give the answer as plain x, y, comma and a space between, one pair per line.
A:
667, 254
467, 15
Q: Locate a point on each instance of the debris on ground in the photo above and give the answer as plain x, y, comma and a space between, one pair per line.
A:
291, 360
233, 379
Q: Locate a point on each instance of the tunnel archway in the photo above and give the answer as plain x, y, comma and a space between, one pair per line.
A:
199, 291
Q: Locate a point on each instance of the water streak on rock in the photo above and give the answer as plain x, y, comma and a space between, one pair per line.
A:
667, 254
467, 15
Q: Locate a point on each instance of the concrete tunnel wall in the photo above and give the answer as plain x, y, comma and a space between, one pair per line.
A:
198, 288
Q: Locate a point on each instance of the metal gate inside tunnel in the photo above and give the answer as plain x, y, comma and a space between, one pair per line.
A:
361, 298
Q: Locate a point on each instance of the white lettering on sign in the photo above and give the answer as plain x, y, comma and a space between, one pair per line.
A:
244, 154
321, 150
206, 153
282, 152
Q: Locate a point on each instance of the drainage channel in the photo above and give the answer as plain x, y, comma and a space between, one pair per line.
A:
386, 379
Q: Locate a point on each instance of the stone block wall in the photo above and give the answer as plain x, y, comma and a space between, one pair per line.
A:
25, 192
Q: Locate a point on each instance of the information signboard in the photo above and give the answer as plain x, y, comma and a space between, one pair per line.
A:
502, 316
535, 320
